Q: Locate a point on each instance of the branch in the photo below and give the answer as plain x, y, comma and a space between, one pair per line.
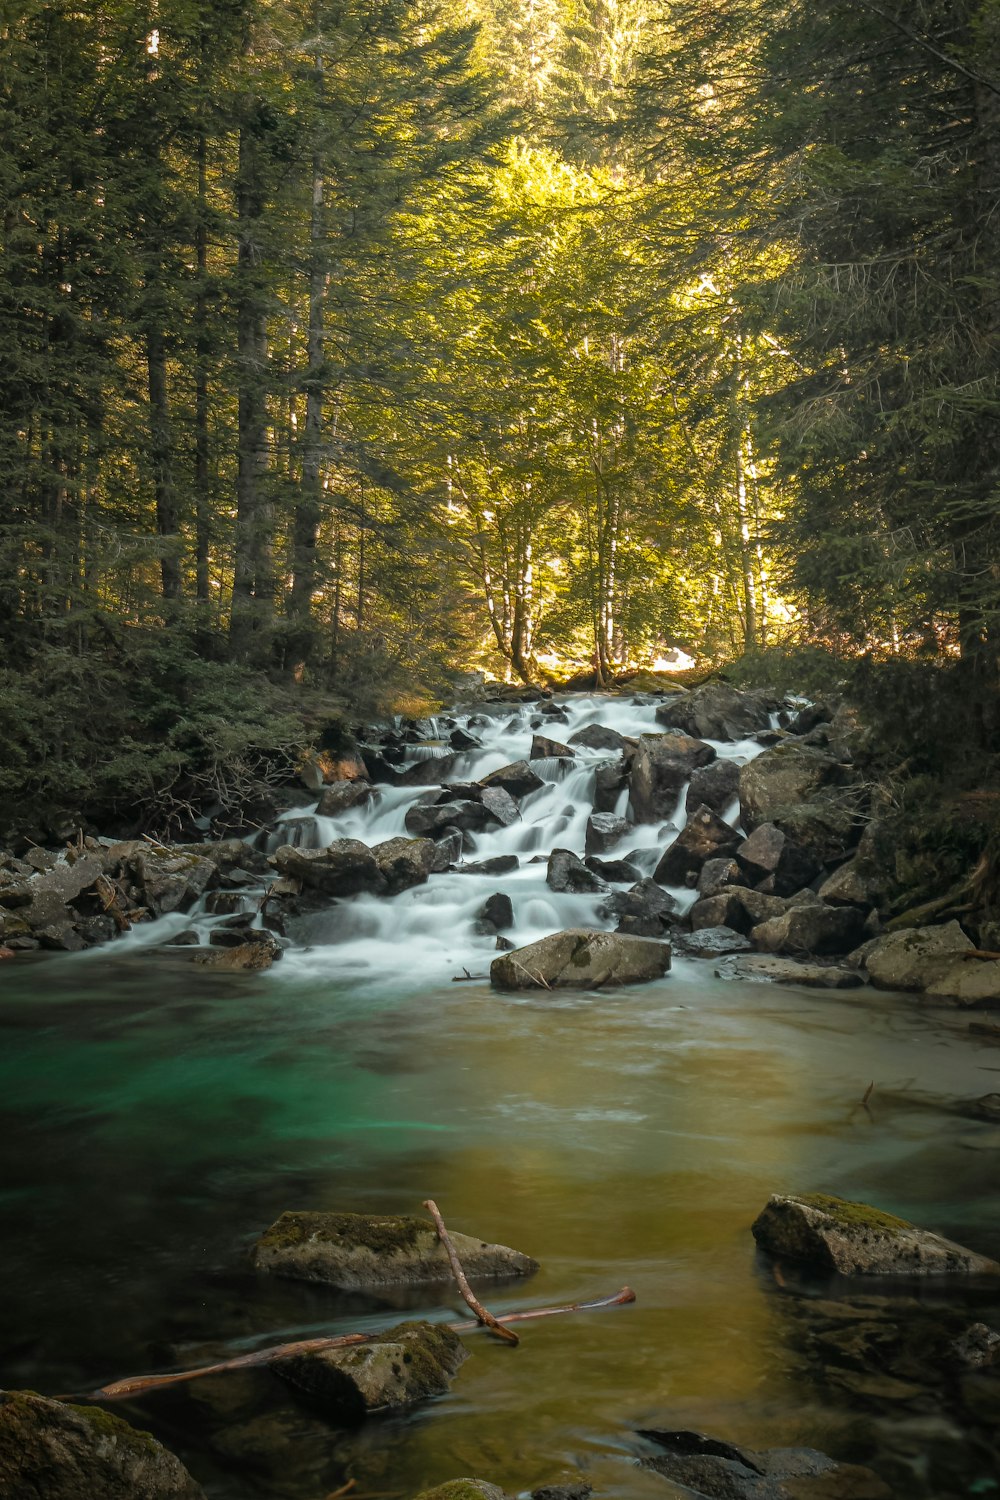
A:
482, 1313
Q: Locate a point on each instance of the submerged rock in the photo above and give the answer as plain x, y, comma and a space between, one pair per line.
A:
55, 1451
407, 1363
722, 1471
854, 1239
766, 968
581, 958
353, 1250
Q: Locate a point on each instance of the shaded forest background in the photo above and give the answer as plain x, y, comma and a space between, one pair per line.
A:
350, 346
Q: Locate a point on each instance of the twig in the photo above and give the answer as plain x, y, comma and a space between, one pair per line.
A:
482, 1313
111, 902
536, 978
465, 977
980, 953
138, 1385
345, 1489
868, 1093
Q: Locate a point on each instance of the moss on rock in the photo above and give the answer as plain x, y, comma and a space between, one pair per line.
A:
854, 1215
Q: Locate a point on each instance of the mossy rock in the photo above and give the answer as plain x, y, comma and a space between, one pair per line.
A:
463, 1489
410, 1362
348, 1250
66, 1452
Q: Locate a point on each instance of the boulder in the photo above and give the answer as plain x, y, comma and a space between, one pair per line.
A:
766, 968
342, 796
407, 1363
615, 870
853, 1239
608, 784
500, 805
431, 771
718, 874
459, 740
257, 951
716, 785
604, 830
965, 981
404, 862
518, 779
977, 1347
464, 1489
355, 1250
711, 942
645, 899
432, 820
583, 959
770, 855
168, 881
810, 929
662, 765
543, 748
855, 883
827, 827
915, 958
596, 737
704, 837
723, 910
496, 914
566, 871
500, 864
341, 869
706, 1466
782, 778
447, 850
716, 711
51, 1450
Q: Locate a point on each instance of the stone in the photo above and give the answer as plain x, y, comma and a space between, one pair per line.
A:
407, 1363
60, 936
810, 929
431, 820
615, 870
717, 711
645, 899
604, 830
168, 881
970, 981
404, 862
496, 913
500, 864
723, 910
985, 1108
259, 951
596, 737
500, 805
348, 1250
52, 1450
662, 765
228, 903
719, 1470
705, 836
459, 740
855, 883
833, 1234
447, 850
342, 796
715, 785
608, 784
827, 827
784, 777
518, 779
583, 959
711, 942
769, 854
542, 748
566, 871
431, 771
717, 874
464, 1489
341, 869
915, 958
186, 939
766, 968
977, 1348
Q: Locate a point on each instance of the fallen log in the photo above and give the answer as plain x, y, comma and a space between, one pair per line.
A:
468, 1295
140, 1385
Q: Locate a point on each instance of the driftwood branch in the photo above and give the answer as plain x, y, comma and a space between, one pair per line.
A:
482, 1313
985, 953
139, 1385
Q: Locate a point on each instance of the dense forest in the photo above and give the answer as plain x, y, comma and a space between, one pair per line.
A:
347, 346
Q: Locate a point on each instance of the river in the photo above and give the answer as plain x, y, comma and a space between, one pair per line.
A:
156, 1118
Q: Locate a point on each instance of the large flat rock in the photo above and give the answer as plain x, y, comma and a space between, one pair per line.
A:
354, 1250
854, 1239
581, 958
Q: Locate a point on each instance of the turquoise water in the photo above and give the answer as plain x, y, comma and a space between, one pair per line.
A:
156, 1117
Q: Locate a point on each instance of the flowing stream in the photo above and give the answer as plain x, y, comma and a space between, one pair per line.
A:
157, 1116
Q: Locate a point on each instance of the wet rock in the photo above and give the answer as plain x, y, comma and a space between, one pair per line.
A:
711, 942
604, 830
582, 959
854, 1239
645, 899
228, 903
404, 862
496, 914
457, 791
61, 937
967, 982
566, 871
463, 1489
608, 784
915, 958
186, 939
259, 951
518, 779
596, 737
500, 864
430, 820
542, 748
504, 945
447, 850
356, 1250
810, 929
341, 869
718, 874
55, 1451
500, 805
342, 796
769, 854
459, 740
977, 1348
662, 765
715, 785
615, 870
430, 772
166, 881
577, 1489
717, 711
705, 837
784, 778
405, 1364
722, 1471
766, 968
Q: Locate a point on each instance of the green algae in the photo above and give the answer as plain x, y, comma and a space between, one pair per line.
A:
854, 1215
